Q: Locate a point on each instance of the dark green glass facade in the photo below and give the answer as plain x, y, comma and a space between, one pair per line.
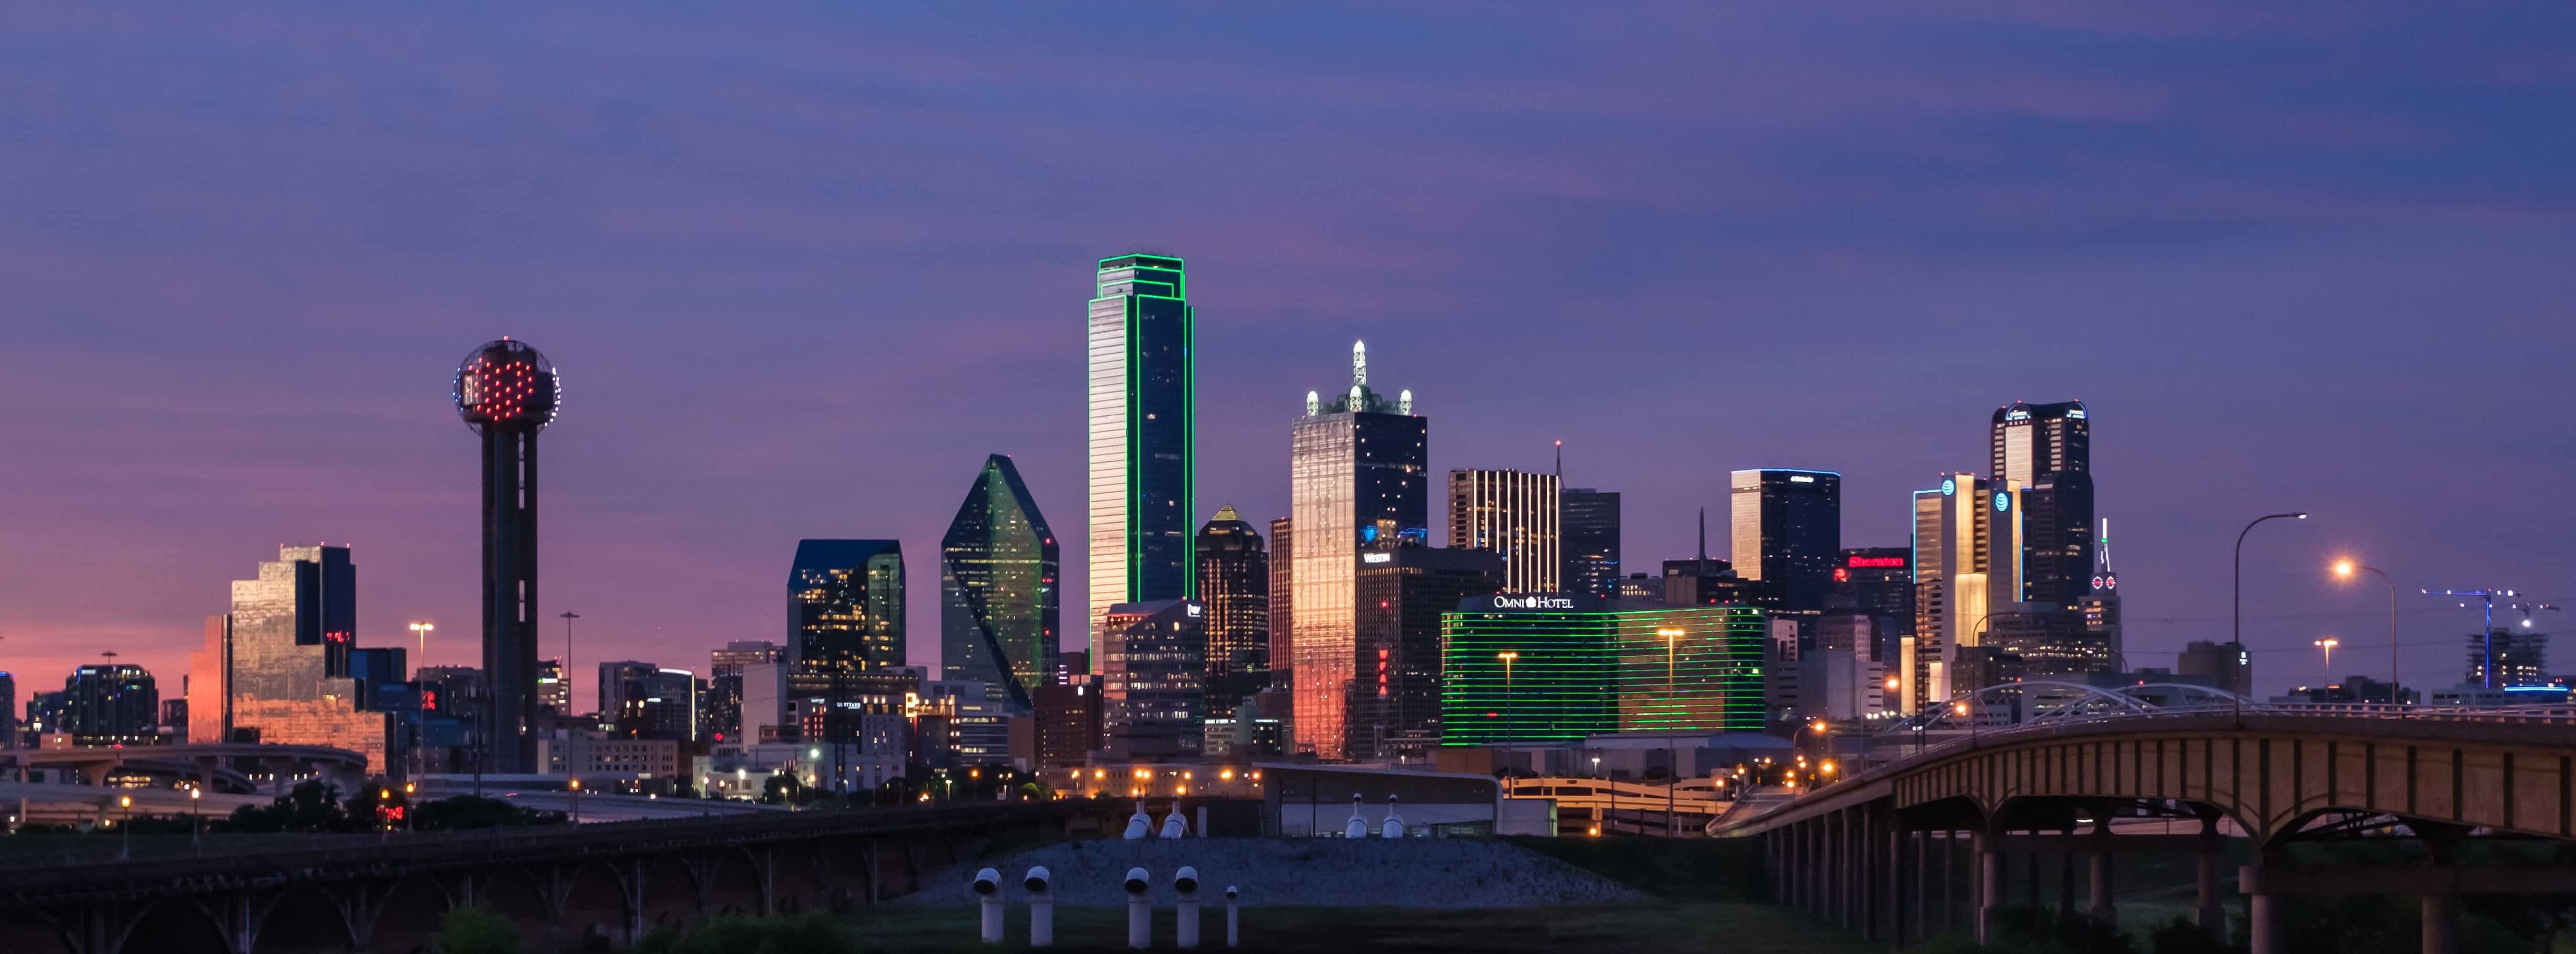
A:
845, 605
997, 588
1538, 669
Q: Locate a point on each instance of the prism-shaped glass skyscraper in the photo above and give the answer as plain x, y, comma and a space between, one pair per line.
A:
1142, 416
997, 589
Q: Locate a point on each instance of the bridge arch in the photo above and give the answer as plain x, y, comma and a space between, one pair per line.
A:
733, 883
596, 902
299, 920
171, 924
670, 893
409, 914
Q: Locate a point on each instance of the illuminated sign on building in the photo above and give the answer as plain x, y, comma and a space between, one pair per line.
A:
1534, 602
1949, 487
1801, 479
1875, 563
2003, 501
1377, 557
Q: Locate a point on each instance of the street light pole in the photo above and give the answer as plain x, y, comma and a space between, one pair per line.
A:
2236, 633
1507, 656
2328, 644
566, 675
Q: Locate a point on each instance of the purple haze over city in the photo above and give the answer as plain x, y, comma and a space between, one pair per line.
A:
803, 272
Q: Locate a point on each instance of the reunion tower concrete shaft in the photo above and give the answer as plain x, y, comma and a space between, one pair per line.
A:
507, 392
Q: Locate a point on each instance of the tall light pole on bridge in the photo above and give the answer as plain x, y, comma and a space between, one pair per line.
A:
2236, 632
2346, 569
2328, 644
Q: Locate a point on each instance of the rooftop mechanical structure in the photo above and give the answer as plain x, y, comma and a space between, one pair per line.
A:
507, 392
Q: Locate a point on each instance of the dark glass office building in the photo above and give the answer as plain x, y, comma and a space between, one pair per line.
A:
110, 704
507, 392
997, 589
1404, 588
1142, 421
2048, 450
845, 605
1234, 582
1591, 541
1788, 530
1282, 596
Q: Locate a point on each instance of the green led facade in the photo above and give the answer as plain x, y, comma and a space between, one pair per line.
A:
1598, 669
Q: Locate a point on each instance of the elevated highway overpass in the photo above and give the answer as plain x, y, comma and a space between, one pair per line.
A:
1877, 850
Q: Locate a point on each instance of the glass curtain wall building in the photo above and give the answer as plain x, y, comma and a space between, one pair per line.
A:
1590, 541
1788, 529
1516, 515
1153, 669
845, 609
1142, 417
1234, 582
2047, 450
1967, 567
997, 590
1522, 668
1358, 470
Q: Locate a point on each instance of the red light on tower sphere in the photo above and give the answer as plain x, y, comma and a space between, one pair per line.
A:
508, 385
1842, 575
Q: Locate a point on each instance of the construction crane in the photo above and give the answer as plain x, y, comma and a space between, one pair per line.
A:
2486, 661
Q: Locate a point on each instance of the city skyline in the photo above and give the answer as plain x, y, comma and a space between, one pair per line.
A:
2284, 340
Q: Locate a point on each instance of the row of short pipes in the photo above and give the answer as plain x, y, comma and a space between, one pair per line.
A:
1140, 909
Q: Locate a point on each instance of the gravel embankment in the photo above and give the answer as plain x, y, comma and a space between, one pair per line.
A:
1411, 873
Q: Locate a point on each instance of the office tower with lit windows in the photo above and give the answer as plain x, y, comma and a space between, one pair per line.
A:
507, 392
1788, 528
1403, 588
2515, 655
1153, 670
621, 683
278, 664
725, 668
112, 704
1143, 415
2047, 450
1514, 515
845, 608
2100, 606
1540, 667
1878, 583
1590, 539
2227, 666
1282, 596
1358, 471
1967, 547
997, 589
1234, 582
554, 692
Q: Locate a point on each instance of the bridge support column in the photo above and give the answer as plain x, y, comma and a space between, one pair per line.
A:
2263, 922
1990, 883
2212, 915
1842, 855
2441, 924
2099, 854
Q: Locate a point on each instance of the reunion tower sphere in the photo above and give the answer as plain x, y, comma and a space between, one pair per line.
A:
507, 386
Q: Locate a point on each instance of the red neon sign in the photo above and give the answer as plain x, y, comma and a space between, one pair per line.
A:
1875, 563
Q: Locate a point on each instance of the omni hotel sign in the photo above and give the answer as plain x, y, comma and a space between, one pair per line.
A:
1508, 601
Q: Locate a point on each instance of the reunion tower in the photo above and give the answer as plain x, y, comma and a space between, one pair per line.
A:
507, 392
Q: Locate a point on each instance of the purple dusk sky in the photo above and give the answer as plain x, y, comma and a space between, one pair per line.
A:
803, 272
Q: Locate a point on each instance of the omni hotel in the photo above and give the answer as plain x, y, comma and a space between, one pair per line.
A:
1520, 667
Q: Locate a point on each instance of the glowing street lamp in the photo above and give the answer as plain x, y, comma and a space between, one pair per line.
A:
1507, 656
125, 844
421, 632
2347, 569
1672, 655
196, 820
2328, 644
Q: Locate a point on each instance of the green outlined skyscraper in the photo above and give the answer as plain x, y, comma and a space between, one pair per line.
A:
1142, 421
